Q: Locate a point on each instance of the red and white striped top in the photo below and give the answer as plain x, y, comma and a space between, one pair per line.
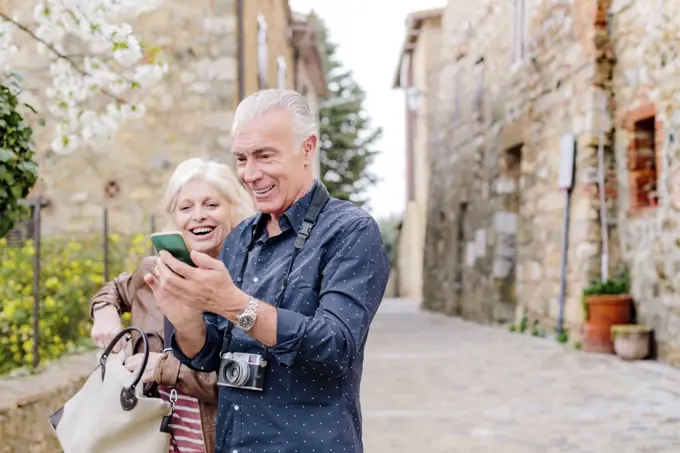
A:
186, 432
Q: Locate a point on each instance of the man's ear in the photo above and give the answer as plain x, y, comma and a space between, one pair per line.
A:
309, 148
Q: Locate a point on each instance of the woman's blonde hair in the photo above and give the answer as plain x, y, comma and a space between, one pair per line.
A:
218, 175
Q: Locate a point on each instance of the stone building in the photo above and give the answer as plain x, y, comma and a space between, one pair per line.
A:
309, 73
645, 97
218, 51
518, 81
495, 216
416, 75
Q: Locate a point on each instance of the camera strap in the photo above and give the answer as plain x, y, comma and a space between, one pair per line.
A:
320, 197
319, 200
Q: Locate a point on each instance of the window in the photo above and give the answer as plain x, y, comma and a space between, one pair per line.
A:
281, 72
642, 165
521, 30
262, 55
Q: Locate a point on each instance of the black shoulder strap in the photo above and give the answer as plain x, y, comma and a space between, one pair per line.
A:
319, 200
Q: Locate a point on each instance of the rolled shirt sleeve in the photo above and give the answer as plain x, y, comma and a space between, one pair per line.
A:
208, 358
352, 285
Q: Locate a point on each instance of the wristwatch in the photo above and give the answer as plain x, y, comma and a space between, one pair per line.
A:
246, 320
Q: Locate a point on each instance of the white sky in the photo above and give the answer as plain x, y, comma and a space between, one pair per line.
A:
369, 35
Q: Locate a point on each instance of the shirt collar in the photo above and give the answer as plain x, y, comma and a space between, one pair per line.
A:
293, 215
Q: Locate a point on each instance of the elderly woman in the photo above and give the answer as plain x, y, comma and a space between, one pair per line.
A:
204, 201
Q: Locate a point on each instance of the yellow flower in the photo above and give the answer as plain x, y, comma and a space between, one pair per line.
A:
50, 302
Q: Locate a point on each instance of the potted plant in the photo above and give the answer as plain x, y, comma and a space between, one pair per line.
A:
606, 303
631, 341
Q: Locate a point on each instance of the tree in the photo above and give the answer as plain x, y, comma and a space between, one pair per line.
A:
18, 171
346, 136
99, 68
99, 72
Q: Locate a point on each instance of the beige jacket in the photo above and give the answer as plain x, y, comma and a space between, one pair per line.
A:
130, 293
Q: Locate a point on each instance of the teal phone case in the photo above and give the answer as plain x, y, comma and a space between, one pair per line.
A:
175, 245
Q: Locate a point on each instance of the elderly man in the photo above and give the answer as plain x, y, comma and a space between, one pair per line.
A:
284, 316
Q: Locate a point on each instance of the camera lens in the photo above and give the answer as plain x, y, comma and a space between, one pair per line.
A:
236, 373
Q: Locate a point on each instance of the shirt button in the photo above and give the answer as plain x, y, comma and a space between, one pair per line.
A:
236, 407
255, 279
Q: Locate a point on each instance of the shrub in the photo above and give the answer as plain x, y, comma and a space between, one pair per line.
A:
70, 273
18, 171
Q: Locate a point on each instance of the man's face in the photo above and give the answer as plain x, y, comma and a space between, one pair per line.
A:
269, 163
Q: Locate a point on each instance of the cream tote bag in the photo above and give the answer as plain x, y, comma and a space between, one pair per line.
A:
110, 413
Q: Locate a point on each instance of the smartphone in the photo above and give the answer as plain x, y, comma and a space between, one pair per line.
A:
173, 242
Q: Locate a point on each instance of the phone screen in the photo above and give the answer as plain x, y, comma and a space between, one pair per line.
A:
174, 244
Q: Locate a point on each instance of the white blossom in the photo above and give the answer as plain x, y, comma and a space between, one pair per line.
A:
115, 72
7, 49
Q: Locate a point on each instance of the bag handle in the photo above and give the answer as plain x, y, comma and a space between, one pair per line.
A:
135, 347
128, 397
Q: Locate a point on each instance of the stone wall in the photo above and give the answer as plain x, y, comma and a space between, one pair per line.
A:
189, 114
650, 236
27, 403
495, 220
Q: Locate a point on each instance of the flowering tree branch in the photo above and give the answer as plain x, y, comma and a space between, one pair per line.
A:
90, 99
56, 52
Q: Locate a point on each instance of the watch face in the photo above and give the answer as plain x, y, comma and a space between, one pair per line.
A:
245, 322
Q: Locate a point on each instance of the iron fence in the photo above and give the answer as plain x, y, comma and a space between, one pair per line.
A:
30, 230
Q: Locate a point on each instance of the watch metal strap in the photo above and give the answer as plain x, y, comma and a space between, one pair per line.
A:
253, 305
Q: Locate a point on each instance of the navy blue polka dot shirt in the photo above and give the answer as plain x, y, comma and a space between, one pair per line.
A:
310, 402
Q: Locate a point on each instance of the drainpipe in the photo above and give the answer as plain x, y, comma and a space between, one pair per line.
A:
240, 50
566, 183
563, 270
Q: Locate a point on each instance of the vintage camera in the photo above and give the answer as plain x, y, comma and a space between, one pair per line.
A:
242, 370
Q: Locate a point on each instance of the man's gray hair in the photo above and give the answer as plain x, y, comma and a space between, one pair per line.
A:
257, 104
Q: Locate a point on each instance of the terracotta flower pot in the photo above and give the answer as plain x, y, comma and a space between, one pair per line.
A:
631, 341
604, 311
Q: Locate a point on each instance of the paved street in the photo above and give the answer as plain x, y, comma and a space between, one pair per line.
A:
435, 384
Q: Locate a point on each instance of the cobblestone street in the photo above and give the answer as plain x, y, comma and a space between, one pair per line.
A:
436, 384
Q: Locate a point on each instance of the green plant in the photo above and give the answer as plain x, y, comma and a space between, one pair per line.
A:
577, 345
562, 337
523, 323
537, 331
71, 272
18, 171
614, 286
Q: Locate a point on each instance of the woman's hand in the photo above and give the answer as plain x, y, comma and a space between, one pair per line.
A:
133, 363
106, 326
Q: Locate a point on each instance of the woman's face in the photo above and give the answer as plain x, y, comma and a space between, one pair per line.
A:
203, 216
